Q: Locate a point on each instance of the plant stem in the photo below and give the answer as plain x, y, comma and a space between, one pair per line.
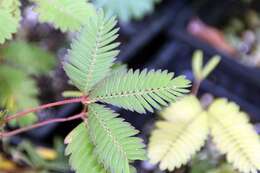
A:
23, 113
195, 87
40, 124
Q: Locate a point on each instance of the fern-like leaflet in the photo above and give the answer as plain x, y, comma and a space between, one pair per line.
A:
92, 52
175, 141
140, 91
114, 139
234, 136
81, 151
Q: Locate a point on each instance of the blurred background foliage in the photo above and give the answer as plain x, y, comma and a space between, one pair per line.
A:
20, 62
29, 158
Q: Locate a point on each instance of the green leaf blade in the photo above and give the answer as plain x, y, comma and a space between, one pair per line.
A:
18, 92
114, 139
185, 123
10, 16
197, 63
81, 151
28, 57
126, 10
234, 135
92, 53
66, 15
210, 66
9, 25
140, 91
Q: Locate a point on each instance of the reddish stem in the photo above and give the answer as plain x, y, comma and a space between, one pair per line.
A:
40, 124
23, 113
195, 87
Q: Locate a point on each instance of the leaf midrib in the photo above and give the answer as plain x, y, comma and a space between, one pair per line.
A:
178, 137
247, 156
93, 59
132, 93
109, 132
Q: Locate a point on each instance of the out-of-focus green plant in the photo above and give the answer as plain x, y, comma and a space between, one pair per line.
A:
68, 15
204, 165
209, 160
65, 15
2, 117
44, 159
200, 72
27, 157
243, 34
199, 165
10, 16
225, 168
127, 10
187, 123
19, 61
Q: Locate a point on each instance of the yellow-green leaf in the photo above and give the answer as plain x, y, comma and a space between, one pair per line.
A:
235, 136
174, 142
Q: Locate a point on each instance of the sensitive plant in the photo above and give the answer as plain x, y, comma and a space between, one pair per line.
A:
126, 10
104, 142
187, 124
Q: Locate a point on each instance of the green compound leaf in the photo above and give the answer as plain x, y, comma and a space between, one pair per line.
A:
29, 57
18, 92
184, 109
81, 151
178, 138
67, 15
92, 53
10, 16
114, 139
235, 136
140, 91
126, 9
